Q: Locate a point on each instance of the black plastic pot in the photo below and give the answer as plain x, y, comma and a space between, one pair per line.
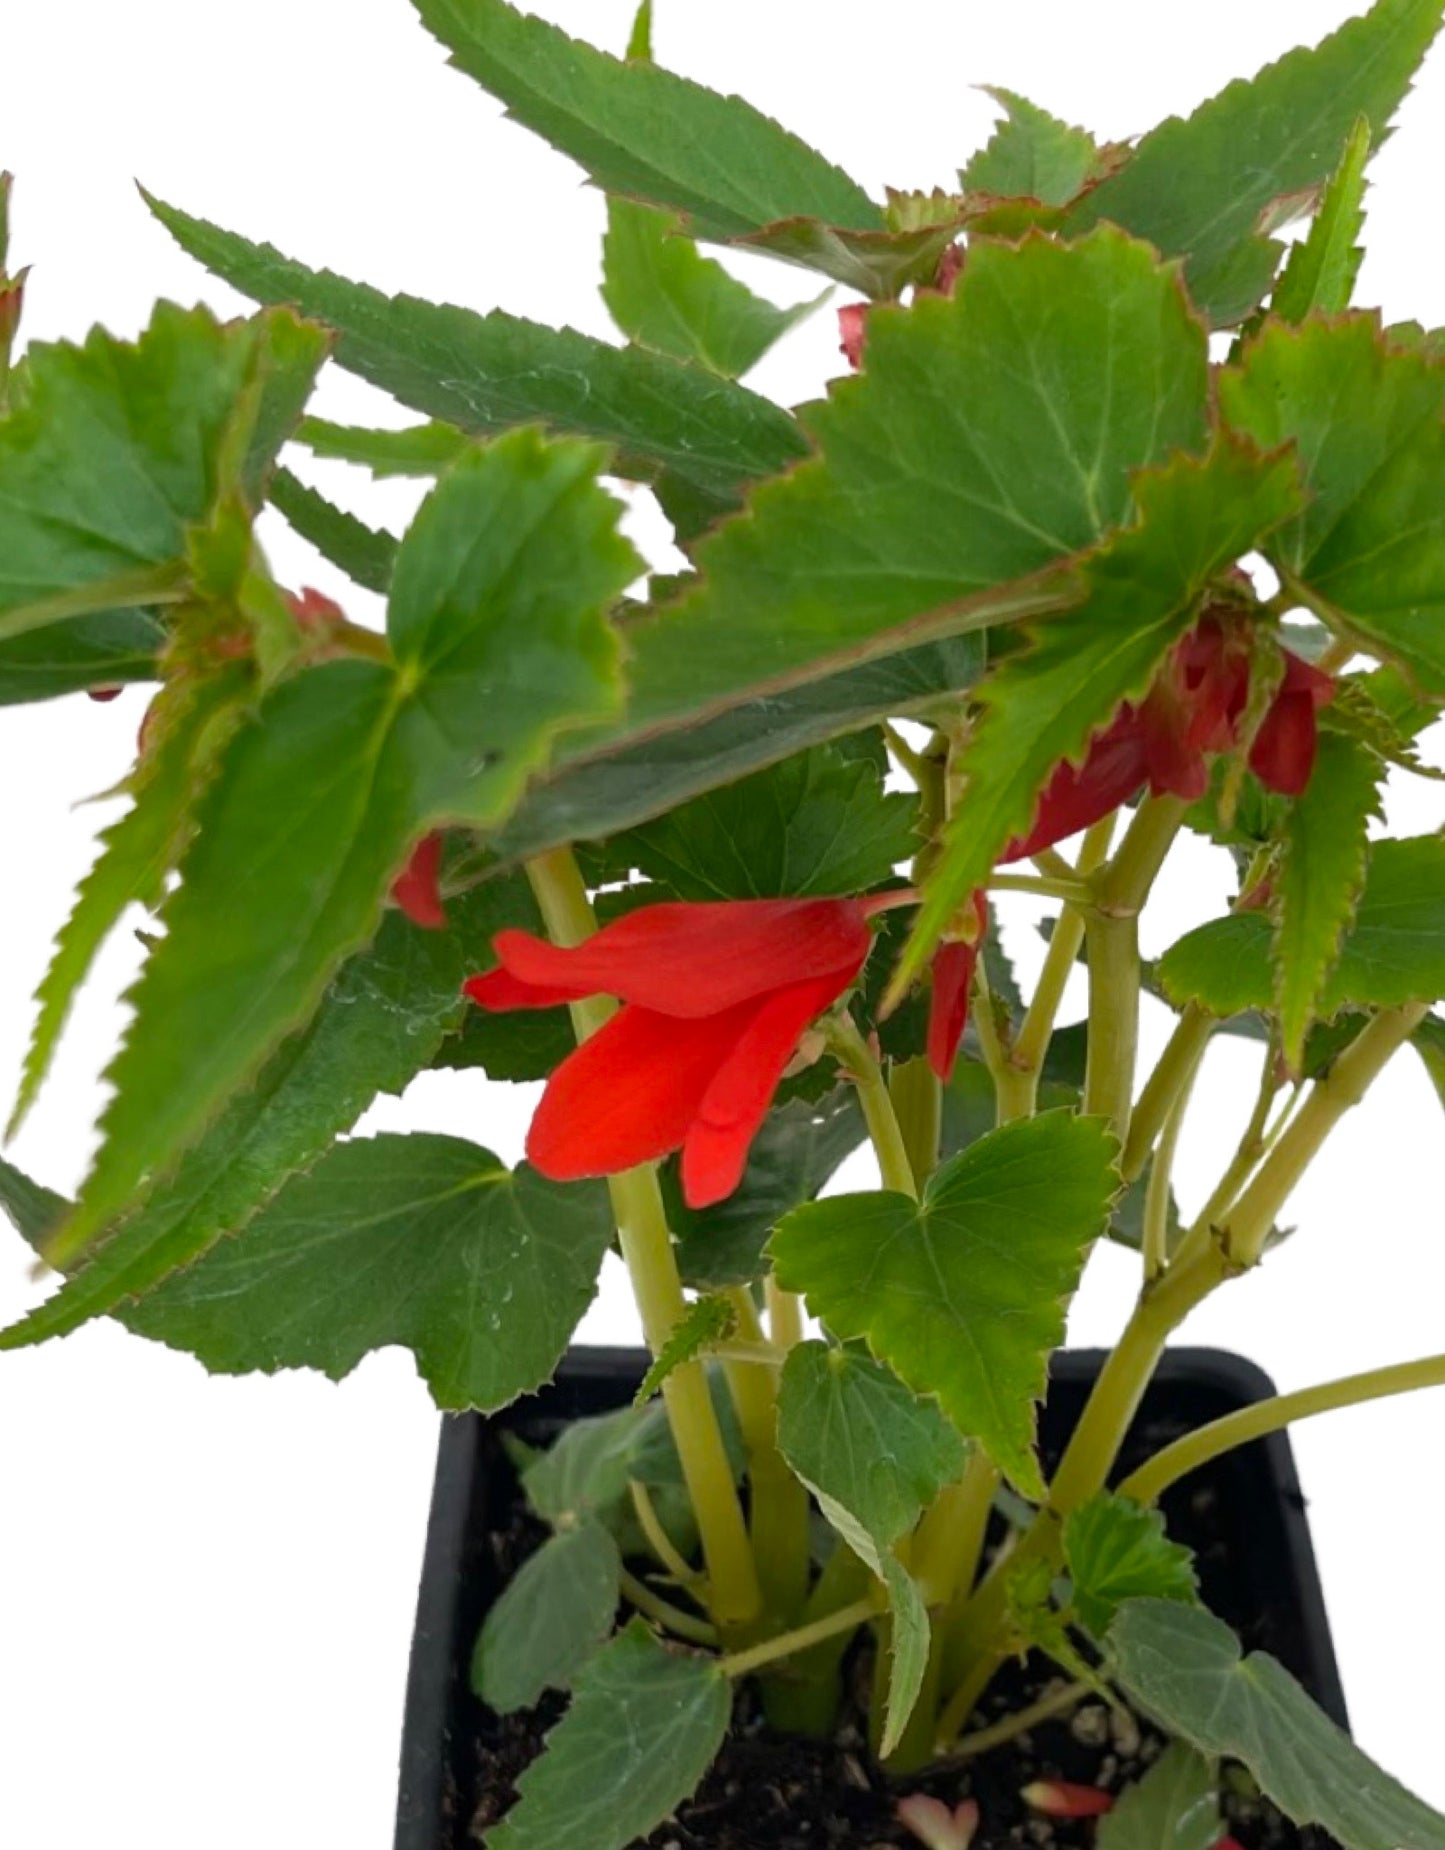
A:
1262, 1578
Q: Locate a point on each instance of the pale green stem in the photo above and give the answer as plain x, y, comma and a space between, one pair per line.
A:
1157, 1196
671, 1618
661, 1543
1042, 886
984, 1740
1196, 1449
785, 1315
878, 1113
788, 1644
777, 1501
917, 1099
1170, 1080
735, 1597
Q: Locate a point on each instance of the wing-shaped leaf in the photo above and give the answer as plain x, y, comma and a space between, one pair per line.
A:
421, 449
487, 373
1186, 1668
137, 853
1207, 187
707, 1321
1321, 873
1367, 421
1319, 274
117, 449
1032, 155
1394, 953
816, 824
424, 1241
377, 1026
1044, 704
497, 620
664, 294
1116, 1550
798, 1149
963, 1293
1175, 1806
549, 1619
366, 554
596, 795
991, 435
908, 1639
32, 1209
642, 131
107, 650
644, 1726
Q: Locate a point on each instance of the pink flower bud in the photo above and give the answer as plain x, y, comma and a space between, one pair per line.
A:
852, 326
1060, 1798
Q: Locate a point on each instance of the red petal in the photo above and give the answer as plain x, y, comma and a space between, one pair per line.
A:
694, 960
1061, 1798
1283, 754
953, 967
852, 327
313, 610
715, 1151
1116, 765
629, 1095
103, 693
499, 989
416, 889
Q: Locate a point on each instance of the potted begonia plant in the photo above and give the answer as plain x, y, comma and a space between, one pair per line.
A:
1122, 522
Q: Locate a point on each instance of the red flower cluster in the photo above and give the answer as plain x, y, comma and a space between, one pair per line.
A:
1194, 708
715, 999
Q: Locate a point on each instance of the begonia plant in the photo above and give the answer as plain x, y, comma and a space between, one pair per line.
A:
1120, 523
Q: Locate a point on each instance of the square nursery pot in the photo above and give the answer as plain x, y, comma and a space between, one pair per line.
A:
1244, 1514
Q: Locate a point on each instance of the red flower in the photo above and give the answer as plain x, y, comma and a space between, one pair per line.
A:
953, 967
715, 1000
1194, 708
417, 888
1061, 1798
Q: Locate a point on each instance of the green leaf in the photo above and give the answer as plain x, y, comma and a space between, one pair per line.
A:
797, 1151
596, 794
137, 853
872, 1452
1116, 1550
707, 1321
1208, 187
1319, 274
116, 449
1365, 419
1186, 1669
424, 1241
1321, 874
1175, 1806
642, 131
488, 373
551, 1617
1044, 704
952, 474
644, 1726
816, 824
422, 449
1032, 155
907, 1639
1428, 1041
1394, 954
108, 650
377, 1026
33, 1210
365, 554
664, 294
963, 1293
1039, 1625
346, 766
881, 264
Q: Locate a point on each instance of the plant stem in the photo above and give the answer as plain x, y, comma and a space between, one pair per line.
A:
788, 1644
1112, 936
1059, 1702
1155, 1241
785, 1315
1170, 1081
735, 1598
661, 1543
985, 1023
777, 1500
918, 1104
671, 1618
1043, 886
1248, 1224
1195, 1449
878, 1113
1253, 1144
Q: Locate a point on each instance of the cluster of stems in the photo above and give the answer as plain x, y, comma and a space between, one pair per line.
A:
754, 1593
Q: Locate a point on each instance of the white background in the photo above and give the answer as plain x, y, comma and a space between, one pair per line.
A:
206, 1586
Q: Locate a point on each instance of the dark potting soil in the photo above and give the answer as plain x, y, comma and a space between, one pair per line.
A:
770, 1792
